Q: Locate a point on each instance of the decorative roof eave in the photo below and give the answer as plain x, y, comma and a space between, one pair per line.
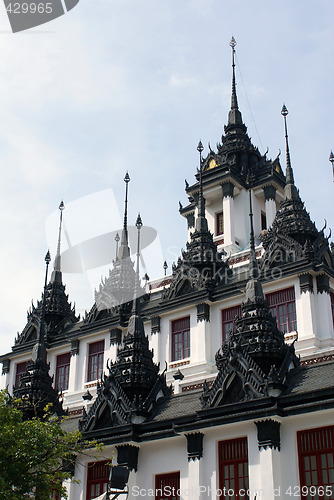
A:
218, 175
245, 411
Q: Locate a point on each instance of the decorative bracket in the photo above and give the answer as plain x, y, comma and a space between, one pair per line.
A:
75, 347
306, 283
155, 324
191, 220
268, 434
127, 455
115, 336
228, 189
323, 283
203, 312
5, 366
195, 445
269, 192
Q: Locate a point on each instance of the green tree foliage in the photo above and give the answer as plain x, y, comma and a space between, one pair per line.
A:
33, 453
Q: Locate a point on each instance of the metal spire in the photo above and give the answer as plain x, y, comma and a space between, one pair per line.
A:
201, 222
290, 190
39, 351
57, 262
139, 225
234, 100
117, 238
254, 289
124, 250
331, 159
234, 116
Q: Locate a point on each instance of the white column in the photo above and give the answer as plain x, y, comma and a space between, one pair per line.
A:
306, 311
73, 373
201, 336
270, 204
195, 479
228, 214
270, 470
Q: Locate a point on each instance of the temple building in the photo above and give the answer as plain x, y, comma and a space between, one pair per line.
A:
216, 381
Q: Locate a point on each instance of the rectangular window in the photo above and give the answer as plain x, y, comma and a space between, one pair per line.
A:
219, 223
332, 305
233, 468
62, 371
97, 479
228, 320
263, 220
282, 306
95, 360
316, 463
181, 338
167, 486
20, 369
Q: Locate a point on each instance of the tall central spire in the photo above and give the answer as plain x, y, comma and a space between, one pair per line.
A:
124, 250
290, 190
56, 274
234, 116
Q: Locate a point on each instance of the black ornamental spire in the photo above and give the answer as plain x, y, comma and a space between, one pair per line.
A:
56, 274
234, 117
290, 190
133, 386
201, 222
124, 250
36, 389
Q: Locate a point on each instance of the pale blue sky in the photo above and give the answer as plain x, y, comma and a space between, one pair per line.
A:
127, 85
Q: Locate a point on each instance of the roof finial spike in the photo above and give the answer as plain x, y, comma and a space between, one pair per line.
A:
124, 250
234, 116
57, 262
201, 222
290, 190
234, 100
331, 159
135, 307
39, 351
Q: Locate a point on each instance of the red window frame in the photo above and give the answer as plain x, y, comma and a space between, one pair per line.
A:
97, 478
95, 360
228, 320
233, 468
181, 338
282, 305
219, 223
332, 305
63, 371
21, 368
170, 480
316, 461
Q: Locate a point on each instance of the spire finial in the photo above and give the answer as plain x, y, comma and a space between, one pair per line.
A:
331, 159
234, 116
201, 222
139, 225
57, 263
234, 100
290, 190
39, 351
124, 250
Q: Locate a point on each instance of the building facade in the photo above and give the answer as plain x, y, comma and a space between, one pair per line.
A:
217, 380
